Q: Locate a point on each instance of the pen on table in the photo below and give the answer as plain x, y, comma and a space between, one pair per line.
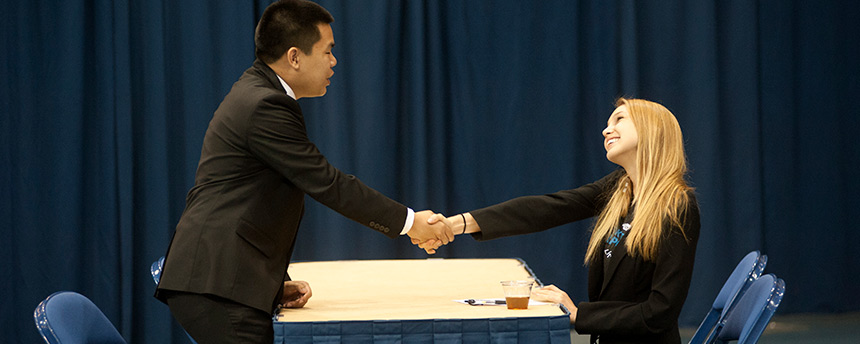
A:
474, 302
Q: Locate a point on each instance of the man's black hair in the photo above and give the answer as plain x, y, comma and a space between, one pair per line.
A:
286, 24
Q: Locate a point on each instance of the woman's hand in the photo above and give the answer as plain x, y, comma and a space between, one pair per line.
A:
460, 224
552, 294
431, 245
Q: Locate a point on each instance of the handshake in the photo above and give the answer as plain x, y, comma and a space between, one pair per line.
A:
431, 230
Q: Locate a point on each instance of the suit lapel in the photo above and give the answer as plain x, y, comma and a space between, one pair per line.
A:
618, 254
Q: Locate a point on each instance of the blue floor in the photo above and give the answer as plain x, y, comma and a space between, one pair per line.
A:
793, 328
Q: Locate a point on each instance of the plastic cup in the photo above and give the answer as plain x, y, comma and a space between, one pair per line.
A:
517, 293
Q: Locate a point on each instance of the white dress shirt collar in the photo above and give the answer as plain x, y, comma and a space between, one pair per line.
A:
287, 87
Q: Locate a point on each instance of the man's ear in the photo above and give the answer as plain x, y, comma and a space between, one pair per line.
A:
293, 56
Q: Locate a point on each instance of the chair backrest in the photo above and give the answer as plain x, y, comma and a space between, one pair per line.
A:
753, 311
68, 317
748, 270
156, 268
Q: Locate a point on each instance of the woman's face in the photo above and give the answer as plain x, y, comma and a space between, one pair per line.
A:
620, 138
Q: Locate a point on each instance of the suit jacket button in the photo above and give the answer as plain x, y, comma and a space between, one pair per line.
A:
386, 229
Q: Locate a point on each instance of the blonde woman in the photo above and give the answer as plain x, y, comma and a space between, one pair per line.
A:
640, 255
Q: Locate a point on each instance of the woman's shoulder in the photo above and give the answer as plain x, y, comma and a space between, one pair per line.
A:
692, 206
688, 215
608, 181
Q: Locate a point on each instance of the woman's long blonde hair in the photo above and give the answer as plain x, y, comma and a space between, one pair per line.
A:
661, 192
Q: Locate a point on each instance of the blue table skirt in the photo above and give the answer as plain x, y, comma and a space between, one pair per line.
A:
555, 329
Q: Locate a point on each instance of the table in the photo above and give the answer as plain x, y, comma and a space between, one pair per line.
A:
412, 301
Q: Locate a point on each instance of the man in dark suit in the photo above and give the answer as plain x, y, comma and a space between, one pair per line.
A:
226, 267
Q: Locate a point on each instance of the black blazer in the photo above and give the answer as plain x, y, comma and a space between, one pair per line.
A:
237, 232
636, 301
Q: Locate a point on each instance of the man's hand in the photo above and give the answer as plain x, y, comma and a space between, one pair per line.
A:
422, 231
296, 294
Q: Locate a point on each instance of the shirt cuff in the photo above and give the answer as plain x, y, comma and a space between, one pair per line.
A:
410, 219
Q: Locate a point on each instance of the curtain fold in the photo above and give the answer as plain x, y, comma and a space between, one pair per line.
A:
447, 105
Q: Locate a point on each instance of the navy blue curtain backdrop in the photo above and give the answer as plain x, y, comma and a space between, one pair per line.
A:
448, 105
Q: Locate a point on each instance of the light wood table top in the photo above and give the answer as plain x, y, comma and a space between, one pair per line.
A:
407, 289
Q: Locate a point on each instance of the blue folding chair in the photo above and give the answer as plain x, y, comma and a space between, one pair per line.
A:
747, 271
69, 318
155, 270
753, 311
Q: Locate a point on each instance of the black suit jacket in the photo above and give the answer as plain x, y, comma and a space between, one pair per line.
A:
237, 232
636, 301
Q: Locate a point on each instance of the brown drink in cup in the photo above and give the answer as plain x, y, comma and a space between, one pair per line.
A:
516, 302
517, 293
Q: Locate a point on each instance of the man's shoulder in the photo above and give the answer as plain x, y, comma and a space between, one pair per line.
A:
256, 84
258, 79
256, 92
